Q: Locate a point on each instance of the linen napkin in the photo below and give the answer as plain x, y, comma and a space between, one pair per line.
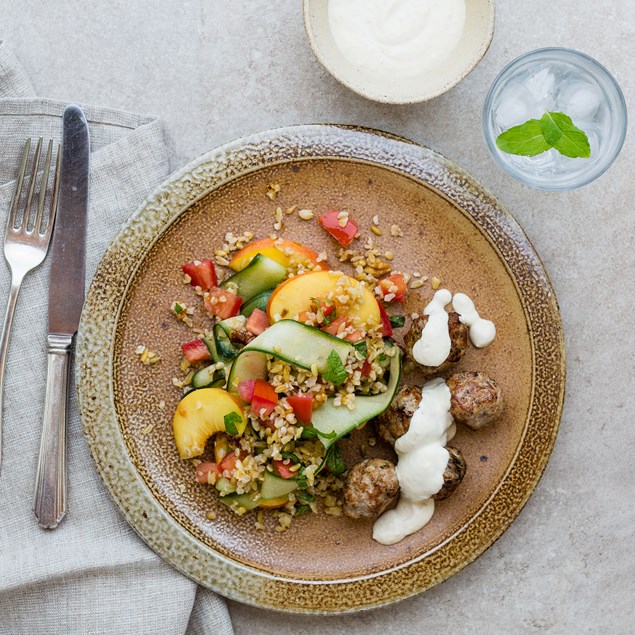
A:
92, 574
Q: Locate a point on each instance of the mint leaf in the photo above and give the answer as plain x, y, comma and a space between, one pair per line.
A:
301, 509
361, 347
527, 139
230, 420
562, 134
397, 321
335, 371
305, 496
289, 455
334, 462
310, 432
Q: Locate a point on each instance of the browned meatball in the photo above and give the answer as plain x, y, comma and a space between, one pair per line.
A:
453, 475
475, 399
395, 421
371, 488
458, 339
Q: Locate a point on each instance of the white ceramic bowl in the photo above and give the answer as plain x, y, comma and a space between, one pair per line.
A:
477, 36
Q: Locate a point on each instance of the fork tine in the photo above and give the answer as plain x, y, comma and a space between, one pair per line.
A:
43, 187
18, 186
55, 192
36, 164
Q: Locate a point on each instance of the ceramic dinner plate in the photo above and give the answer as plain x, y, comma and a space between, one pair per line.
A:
452, 229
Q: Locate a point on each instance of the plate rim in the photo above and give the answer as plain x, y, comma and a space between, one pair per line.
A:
154, 216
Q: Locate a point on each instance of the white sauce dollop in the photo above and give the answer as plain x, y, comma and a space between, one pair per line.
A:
422, 462
433, 347
396, 38
482, 332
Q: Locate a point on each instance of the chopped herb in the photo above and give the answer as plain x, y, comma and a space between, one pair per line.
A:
178, 308
335, 371
289, 455
361, 347
334, 461
382, 357
305, 496
318, 309
300, 479
231, 419
310, 432
301, 509
397, 321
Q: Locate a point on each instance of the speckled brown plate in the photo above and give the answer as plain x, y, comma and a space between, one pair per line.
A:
452, 229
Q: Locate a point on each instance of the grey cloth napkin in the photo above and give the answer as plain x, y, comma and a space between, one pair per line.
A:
92, 574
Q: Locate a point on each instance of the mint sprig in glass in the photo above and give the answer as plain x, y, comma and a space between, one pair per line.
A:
555, 119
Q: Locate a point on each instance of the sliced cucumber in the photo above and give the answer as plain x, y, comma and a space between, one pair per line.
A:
299, 344
208, 377
211, 347
329, 418
275, 487
248, 365
236, 323
260, 274
225, 349
224, 486
259, 301
240, 500
290, 341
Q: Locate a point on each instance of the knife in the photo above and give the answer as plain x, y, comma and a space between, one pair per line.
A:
66, 297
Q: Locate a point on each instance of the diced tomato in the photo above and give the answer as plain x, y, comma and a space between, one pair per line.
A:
283, 469
262, 407
229, 462
302, 406
395, 286
264, 390
366, 368
223, 304
258, 322
386, 326
204, 469
264, 397
325, 306
343, 235
355, 336
334, 327
195, 351
202, 273
246, 389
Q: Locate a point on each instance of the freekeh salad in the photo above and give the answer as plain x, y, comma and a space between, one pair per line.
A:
295, 356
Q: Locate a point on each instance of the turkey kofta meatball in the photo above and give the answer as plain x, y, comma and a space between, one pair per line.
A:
454, 473
475, 399
458, 339
395, 421
371, 488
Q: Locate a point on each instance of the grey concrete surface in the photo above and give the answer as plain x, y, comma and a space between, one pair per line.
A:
215, 70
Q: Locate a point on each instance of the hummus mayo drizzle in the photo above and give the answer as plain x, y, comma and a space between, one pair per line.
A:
422, 462
433, 347
482, 332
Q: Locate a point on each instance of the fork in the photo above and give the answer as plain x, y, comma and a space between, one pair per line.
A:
27, 238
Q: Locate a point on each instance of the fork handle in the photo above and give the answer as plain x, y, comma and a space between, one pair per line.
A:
50, 482
16, 283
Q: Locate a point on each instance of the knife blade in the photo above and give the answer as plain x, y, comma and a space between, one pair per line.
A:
68, 251
66, 297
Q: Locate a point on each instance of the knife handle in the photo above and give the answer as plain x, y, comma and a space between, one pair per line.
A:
50, 482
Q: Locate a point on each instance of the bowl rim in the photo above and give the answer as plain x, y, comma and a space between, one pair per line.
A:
490, 141
384, 99
103, 307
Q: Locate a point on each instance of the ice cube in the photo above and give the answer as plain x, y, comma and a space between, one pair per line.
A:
580, 101
516, 106
541, 86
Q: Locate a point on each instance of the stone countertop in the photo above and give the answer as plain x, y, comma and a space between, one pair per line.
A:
215, 70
